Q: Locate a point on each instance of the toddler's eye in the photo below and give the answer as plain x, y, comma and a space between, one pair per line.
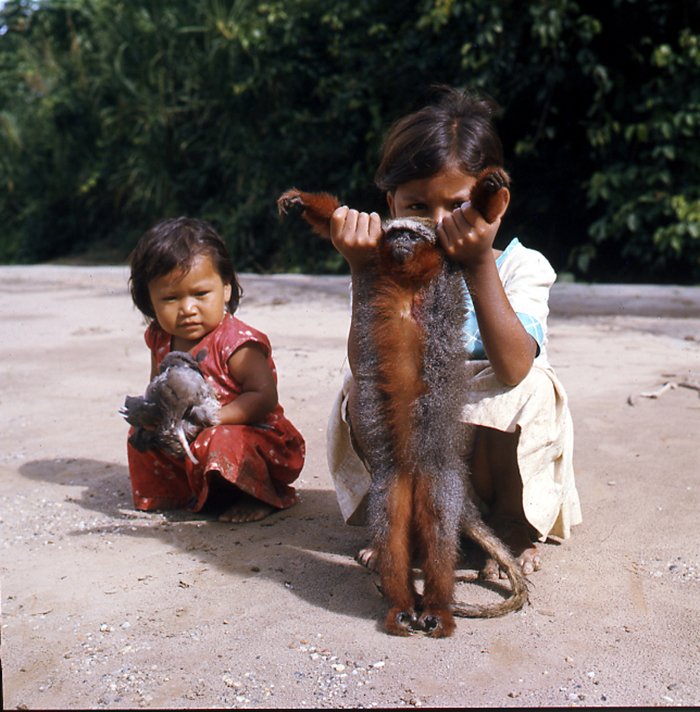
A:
201, 294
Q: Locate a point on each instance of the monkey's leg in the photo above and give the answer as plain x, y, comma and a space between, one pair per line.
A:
438, 536
395, 559
315, 208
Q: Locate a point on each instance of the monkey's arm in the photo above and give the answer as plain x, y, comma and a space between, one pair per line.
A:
315, 208
249, 368
354, 234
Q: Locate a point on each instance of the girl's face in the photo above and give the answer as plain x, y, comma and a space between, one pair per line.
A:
189, 305
434, 197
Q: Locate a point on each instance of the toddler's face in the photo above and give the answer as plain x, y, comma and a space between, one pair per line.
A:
190, 305
434, 197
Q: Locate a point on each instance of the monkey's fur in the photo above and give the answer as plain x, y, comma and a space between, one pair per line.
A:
177, 405
410, 375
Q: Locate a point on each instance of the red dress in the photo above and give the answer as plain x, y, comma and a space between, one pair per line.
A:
261, 461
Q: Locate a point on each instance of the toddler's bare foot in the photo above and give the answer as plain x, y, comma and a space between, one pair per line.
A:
516, 535
367, 557
246, 509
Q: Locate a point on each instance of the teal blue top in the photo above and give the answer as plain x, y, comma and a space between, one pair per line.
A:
472, 335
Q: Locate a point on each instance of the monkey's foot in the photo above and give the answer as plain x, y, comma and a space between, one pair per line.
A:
437, 622
400, 621
516, 535
246, 509
367, 557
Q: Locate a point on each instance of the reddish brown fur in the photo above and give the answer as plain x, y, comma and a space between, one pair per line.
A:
324, 205
399, 334
486, 195
397, 574
439, 557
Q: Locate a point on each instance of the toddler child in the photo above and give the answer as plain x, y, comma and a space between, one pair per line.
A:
183, 280
522, 459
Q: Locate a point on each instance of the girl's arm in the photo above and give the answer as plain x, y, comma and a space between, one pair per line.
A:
248, 366
356, 236
468, 239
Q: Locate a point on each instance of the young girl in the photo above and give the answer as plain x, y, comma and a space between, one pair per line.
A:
183, 279
522, 460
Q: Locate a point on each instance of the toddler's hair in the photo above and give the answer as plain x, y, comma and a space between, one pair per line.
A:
455, 131
174, 243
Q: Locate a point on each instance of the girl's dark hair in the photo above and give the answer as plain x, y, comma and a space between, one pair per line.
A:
173, 244
456, 130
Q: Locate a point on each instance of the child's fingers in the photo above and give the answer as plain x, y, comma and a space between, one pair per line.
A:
455, 230
465, 235
375, 228
354, 234
368, 230
343, 223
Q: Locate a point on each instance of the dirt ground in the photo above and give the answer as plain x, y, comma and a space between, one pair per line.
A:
104, 607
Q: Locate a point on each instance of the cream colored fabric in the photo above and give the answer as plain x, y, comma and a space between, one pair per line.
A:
537, 406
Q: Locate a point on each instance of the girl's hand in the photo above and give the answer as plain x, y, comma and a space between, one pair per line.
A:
248, 366
355, 235
466, 237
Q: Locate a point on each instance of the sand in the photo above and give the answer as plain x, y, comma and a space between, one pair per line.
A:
105, 607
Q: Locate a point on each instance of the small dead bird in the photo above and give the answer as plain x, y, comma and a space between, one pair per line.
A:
177, 405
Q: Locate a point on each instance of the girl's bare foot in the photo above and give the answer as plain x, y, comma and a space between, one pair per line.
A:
246, 509
516, 535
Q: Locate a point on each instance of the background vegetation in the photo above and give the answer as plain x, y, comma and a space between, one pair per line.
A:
115, 113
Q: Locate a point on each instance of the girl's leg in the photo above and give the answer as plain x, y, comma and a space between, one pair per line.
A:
496, 479
158, 481
244, 472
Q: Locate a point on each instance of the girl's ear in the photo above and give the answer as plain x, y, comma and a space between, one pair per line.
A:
227, 293
390, 203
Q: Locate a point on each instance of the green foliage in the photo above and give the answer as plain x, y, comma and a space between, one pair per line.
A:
114, 114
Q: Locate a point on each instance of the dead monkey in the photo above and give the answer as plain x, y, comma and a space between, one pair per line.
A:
411, 369
177, 405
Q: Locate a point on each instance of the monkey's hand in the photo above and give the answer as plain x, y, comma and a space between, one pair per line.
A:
356, 235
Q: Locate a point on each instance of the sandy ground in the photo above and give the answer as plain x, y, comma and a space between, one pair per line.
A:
106, 607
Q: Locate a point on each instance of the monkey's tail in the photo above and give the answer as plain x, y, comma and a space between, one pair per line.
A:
498, 551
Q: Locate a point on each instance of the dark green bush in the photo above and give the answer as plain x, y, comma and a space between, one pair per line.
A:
115, 114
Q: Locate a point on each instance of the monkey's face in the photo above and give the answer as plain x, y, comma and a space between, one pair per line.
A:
409, 248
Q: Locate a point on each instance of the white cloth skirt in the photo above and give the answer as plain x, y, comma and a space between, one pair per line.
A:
537, 407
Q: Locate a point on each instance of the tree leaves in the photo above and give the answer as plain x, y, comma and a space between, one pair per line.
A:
114, 114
